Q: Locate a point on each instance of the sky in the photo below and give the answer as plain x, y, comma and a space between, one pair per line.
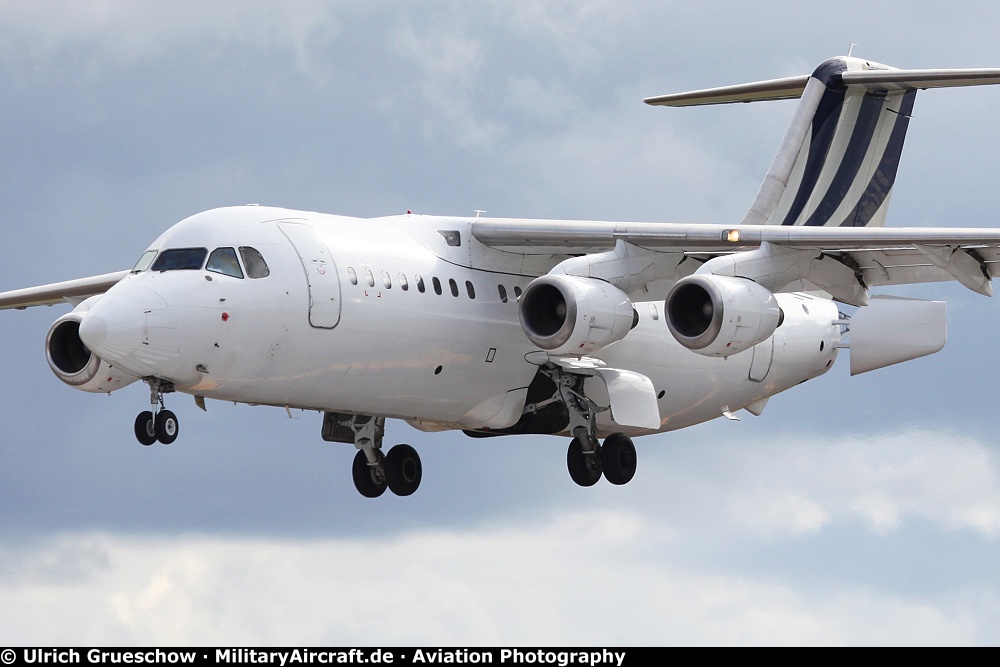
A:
854, 511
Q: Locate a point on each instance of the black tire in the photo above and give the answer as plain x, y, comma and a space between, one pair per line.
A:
365, 477
165, 426
145, 428
403, 470
618, 459
584, 469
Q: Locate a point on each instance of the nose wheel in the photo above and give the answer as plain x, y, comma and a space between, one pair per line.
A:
161, 427
145, 428
165, 426
158, 424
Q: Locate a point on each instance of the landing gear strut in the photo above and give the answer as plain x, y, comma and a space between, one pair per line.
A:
584, 467
399, 470
586, 459
158, 424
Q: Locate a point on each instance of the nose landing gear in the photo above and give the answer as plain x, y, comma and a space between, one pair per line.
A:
158, 424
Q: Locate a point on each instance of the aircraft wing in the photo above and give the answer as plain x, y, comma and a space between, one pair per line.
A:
878, 255
69, 291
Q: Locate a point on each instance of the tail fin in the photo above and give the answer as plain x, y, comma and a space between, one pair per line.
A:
837, 163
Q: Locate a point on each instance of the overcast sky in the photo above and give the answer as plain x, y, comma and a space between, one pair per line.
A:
854, 511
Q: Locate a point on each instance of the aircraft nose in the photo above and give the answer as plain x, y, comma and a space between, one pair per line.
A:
113, 327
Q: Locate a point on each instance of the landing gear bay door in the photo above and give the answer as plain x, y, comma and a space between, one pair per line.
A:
631, 395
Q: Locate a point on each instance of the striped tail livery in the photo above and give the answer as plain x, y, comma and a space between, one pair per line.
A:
837, 163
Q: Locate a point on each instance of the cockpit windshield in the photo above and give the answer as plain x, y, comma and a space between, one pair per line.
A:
254, 261
144, 261
180, 259
223, 260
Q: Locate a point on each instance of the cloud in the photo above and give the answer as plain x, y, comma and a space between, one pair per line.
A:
575, 579
797, 483
448, 79
126, 32
609, 570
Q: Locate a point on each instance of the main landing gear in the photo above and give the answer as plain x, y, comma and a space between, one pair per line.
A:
157, 424
399, 470
616, 460
586, 459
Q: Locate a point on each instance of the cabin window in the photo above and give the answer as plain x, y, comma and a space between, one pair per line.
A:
180, 259
369, 278
503, 293
254, 261
352, 275
517, 292
420, 282
453, 286
224, 261
437, 285
386, 280
403, 285
470, 290
144, 261
653, 312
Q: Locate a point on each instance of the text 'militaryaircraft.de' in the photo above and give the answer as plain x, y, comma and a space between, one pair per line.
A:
599, 331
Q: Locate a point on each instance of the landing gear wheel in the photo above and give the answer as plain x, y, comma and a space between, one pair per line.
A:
368, 480
618, 458
585, 469
165, 426
145, 428
403, 470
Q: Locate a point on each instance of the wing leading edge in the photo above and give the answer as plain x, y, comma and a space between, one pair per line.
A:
69, 291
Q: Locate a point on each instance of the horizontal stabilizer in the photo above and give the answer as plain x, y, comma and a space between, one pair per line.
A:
909, 79
775, 89
874, 80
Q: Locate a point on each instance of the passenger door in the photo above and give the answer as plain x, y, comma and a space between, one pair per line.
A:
321, 274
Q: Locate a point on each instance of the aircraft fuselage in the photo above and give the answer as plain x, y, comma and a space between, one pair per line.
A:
406, 317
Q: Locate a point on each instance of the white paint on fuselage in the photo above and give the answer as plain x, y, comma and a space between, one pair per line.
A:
438, 360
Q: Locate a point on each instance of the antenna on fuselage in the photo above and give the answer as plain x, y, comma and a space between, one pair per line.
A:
478, 211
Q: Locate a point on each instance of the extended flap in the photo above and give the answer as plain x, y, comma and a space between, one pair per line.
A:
891, 330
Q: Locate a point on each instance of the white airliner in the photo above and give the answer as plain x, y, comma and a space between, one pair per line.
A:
592, 330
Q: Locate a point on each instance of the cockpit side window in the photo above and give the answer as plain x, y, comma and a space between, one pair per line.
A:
254, 261
179, 259
223, 260
144, 261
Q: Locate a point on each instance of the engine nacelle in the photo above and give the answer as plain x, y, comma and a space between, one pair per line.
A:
571, 315
76, 365
718, 316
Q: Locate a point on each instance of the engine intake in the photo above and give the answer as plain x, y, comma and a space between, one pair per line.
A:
571, 315
718, 316
73, 363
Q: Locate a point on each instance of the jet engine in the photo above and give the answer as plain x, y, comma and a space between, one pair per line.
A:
718, 316
76, 365
572, 315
